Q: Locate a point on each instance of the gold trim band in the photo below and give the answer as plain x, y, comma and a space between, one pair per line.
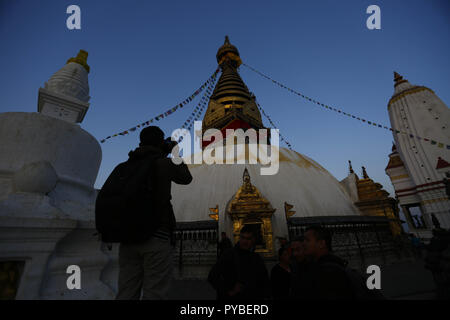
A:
407, 92
400, 177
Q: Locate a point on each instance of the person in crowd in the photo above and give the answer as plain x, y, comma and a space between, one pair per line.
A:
328, 278
437, 260
300, 279
240, 273
280, 276
224, 244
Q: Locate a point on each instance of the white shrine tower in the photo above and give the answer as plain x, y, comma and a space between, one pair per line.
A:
418, 166
48, 167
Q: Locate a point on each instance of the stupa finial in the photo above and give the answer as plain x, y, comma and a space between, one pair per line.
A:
246, 176
228, 52
394, 147
81, 59
398, 78
350, 167
365, 176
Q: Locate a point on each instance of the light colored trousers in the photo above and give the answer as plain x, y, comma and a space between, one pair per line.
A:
145, 267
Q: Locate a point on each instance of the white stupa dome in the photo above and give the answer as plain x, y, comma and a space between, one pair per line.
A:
300, 181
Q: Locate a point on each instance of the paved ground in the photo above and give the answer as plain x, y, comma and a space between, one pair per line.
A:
403, 281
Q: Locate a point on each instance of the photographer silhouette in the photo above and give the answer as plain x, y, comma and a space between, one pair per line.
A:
133, 208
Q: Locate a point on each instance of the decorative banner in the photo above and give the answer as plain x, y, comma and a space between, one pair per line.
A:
371, 123
198, 110
171, 110
273, 125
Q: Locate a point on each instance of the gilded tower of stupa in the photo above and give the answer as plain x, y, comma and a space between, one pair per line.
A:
232, 105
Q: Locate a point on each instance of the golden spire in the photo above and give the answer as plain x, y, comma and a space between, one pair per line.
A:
350, 167
247, 185
397, 76
228, 53
81, 59
365, 176
231, 99
246, 176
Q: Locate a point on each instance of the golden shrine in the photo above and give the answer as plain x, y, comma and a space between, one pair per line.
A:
249, 207
374, 201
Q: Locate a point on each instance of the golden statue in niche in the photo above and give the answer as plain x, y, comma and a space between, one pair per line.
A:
249, 207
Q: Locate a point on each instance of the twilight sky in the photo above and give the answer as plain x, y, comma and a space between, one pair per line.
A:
147, 56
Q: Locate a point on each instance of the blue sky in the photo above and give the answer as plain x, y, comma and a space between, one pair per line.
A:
147, 56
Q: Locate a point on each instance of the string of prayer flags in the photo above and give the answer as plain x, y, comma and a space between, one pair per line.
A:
273, 125
198, 110
206, 84
371, 123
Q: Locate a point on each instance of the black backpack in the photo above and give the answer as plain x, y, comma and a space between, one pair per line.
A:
123, 209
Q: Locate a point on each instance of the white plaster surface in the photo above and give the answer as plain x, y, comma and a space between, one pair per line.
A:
35, 147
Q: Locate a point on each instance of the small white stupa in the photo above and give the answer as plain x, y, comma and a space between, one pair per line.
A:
48, 166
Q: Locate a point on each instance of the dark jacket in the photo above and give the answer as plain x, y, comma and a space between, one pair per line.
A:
224, 245
280, 281
301, 280
237, 265
162, 174
329, 280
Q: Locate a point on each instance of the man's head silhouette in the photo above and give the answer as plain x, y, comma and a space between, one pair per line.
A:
317, 241
151, 136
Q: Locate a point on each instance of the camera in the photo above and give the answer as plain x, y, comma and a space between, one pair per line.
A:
168, 145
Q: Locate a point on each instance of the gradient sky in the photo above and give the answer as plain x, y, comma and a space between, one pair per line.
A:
147, 56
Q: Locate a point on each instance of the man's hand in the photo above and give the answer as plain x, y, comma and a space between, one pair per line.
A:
238, 287
168, 145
